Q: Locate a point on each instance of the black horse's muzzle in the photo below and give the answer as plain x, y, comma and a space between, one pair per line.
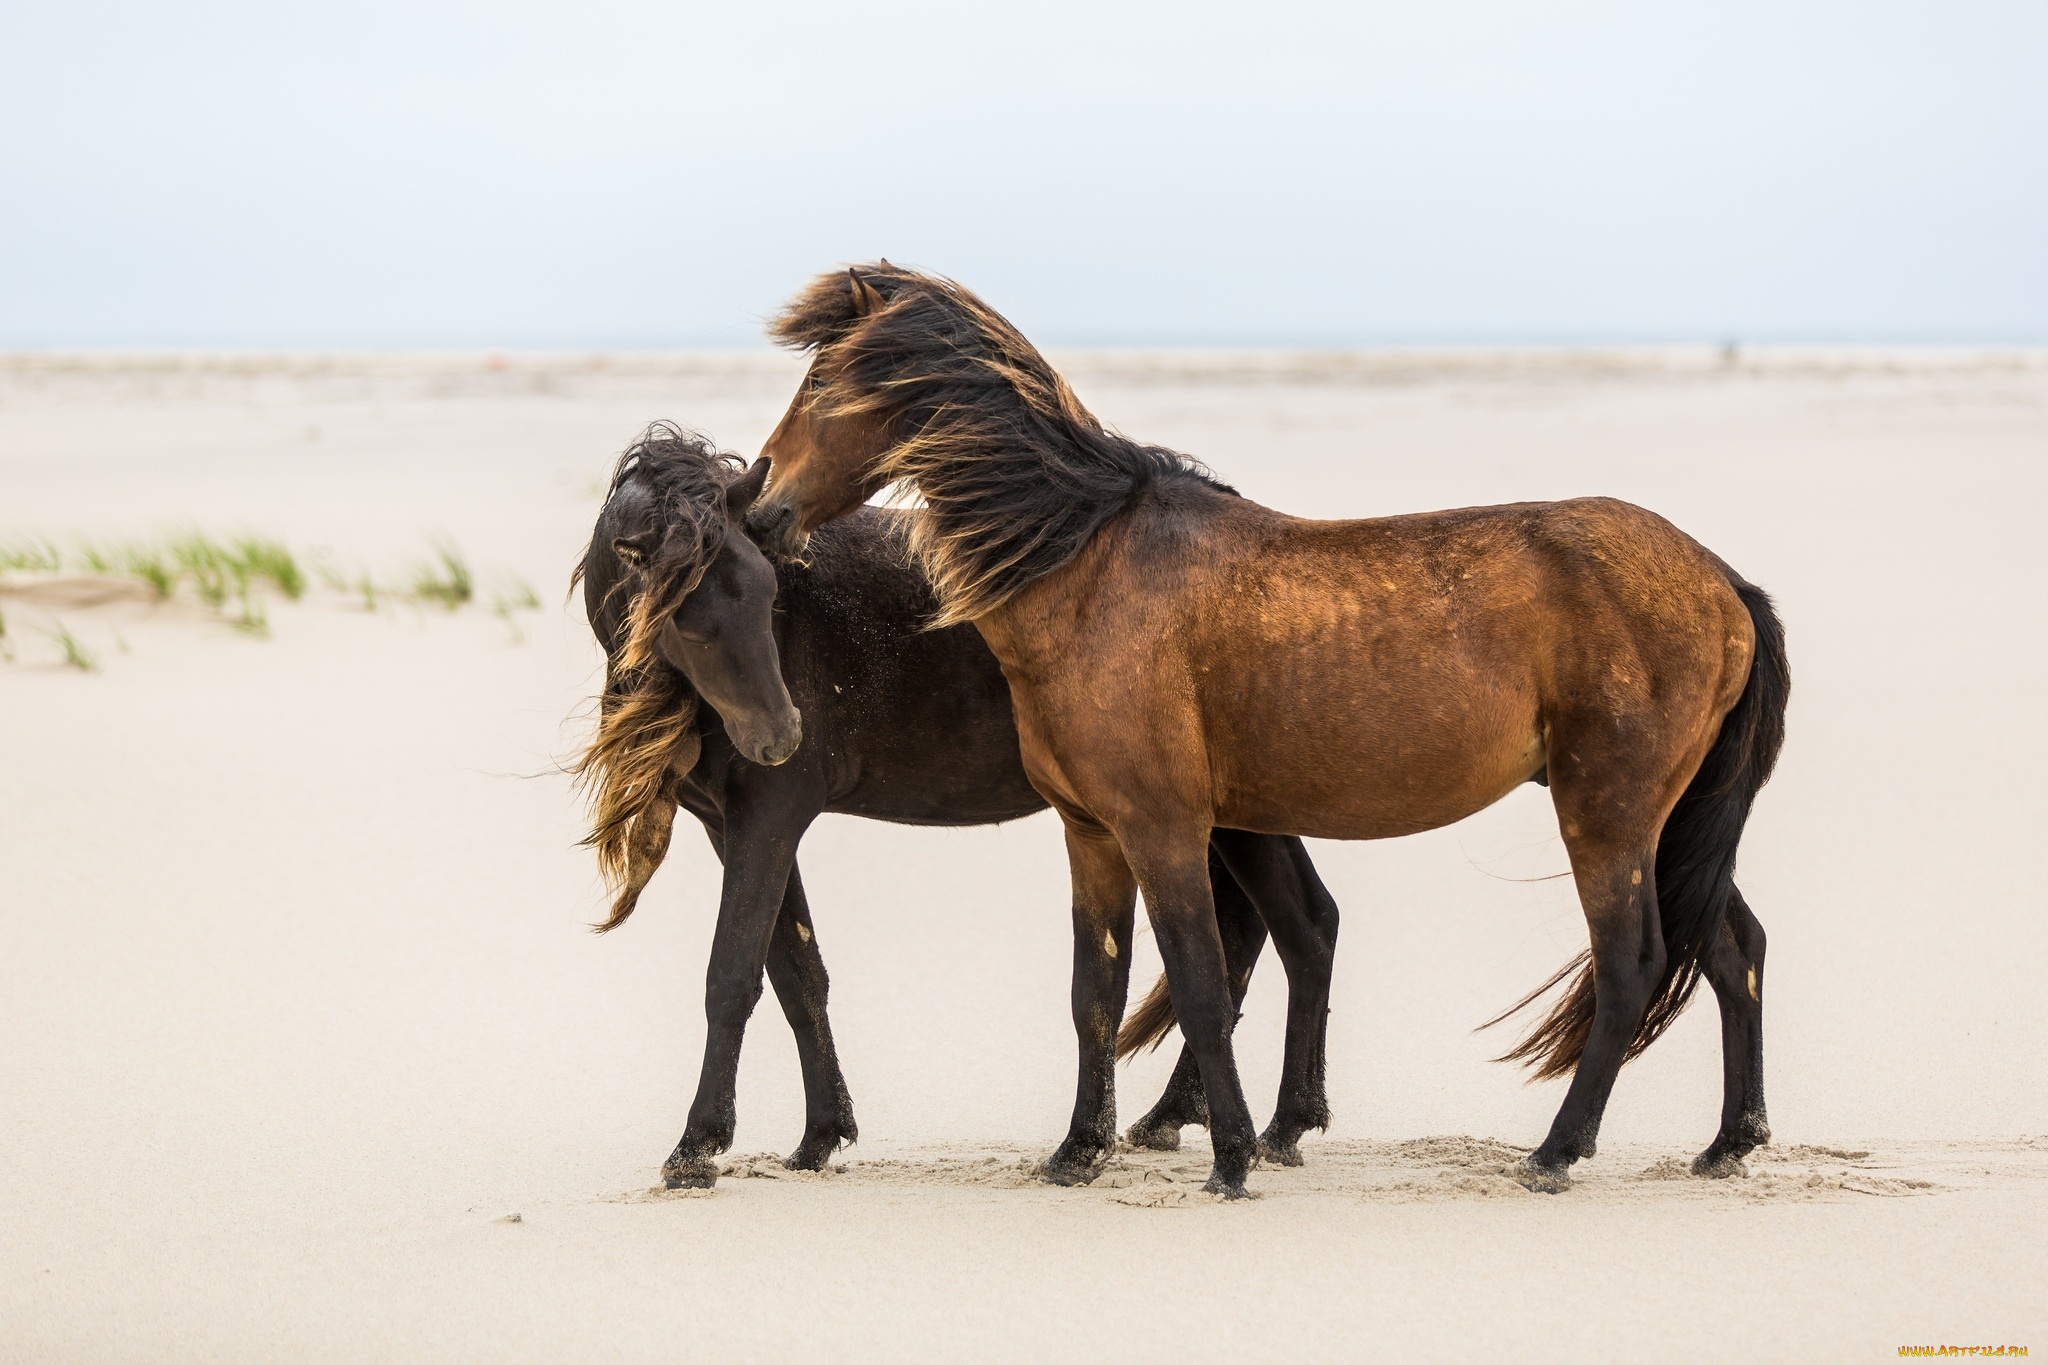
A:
770, 745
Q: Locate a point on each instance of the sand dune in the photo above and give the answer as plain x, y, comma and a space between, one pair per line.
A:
297, 1009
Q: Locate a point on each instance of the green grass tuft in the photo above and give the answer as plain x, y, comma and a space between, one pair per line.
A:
76, 655
446, 579
152, 566
231, 577
31, 556
270, 560
205, 565
252, 619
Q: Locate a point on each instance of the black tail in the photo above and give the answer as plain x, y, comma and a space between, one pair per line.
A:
1695, 860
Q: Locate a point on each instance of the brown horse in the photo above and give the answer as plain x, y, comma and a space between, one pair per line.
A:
1181, 658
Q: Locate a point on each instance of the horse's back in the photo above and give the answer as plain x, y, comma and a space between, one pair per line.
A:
1597, 572
1371, 678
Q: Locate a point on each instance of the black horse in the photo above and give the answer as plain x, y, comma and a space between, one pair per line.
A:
898, 722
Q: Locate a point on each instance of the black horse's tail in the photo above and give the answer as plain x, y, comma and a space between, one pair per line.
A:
1695, 860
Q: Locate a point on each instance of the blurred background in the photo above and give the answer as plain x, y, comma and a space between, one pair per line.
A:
222, 173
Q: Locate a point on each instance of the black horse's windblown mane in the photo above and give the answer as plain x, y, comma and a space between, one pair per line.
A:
1016, 476
647, 718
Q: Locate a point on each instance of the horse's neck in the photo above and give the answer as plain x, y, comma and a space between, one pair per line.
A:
1030, 631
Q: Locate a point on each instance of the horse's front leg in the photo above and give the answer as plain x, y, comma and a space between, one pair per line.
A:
1172, 867
1104, 900
1244, 936
759, 846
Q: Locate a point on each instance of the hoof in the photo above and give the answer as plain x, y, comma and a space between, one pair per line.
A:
817, 1148
809, 1157
1709, 1166
1723, 1158
1155, 1138
1228, 1188
1074, 1163
1069, 1173
1542, 1177
1277, 1154
699, 1173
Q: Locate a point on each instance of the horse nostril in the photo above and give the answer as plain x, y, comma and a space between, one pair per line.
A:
766, 522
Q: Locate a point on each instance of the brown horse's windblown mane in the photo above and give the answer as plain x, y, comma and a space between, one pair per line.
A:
1015, 474
646, 736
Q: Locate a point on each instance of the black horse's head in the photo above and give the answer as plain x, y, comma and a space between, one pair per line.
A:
672, 585
684, 605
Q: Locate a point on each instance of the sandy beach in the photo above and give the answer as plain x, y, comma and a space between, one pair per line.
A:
306, 1052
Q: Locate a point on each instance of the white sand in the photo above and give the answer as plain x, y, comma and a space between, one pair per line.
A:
296, 1006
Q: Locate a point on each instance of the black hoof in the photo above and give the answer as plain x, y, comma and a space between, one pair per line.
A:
1723, 1158
692, 1173
811, 1155
1074, 1163
1069, 1173
1277, 1153
1154, 1137
1219, 1183
820, 1143
1542, 1177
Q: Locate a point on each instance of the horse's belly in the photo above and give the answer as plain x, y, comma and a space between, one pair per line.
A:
1376, 764
938, 785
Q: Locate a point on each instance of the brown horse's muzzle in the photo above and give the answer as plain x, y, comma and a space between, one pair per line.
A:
772, 524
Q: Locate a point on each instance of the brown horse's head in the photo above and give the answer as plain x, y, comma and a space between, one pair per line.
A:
823, 454
918, 383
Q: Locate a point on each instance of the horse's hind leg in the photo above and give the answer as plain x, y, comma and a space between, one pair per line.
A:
1302, 916
1617, 887
1735, 969
1244, 937
796, 972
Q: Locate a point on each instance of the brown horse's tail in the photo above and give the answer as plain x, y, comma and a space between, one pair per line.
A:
1695, 860
1149, 1023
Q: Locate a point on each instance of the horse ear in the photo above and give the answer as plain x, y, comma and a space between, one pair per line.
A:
633, 550
741, 492
866, 298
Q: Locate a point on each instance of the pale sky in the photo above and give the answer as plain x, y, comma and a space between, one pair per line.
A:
404, 172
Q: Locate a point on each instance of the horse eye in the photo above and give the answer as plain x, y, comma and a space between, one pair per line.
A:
817, 379
690, 634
